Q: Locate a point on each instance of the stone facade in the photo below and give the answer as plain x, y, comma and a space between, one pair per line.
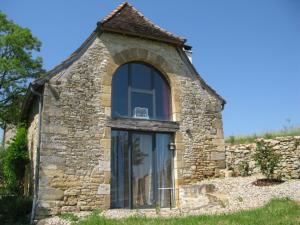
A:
32, 143
287, 147
76, 136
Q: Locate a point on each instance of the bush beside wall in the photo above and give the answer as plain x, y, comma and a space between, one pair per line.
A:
287, 147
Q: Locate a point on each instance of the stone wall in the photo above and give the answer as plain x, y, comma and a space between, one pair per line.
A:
287, 147
76, 138
8, 134
32, 142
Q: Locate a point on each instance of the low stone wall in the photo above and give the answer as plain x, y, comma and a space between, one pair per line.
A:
287, 147
201, 196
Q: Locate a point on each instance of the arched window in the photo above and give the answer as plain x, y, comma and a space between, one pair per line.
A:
140, 91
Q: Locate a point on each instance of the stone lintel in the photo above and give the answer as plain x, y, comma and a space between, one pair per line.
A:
143, 125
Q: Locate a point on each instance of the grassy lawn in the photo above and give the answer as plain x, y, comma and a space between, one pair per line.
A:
278, 211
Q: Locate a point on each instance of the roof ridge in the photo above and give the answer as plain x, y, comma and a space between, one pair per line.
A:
113, 13
102, 23
153, 24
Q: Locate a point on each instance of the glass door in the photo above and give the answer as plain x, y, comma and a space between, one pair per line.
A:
120, 170
142, 175
164, 170
142, 170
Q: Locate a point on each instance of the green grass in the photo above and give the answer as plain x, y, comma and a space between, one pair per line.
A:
295, 131
276, 212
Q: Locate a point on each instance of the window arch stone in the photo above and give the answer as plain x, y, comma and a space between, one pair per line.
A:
148, 57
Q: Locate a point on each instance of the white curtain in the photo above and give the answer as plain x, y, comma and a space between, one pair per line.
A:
164, 169
142, 170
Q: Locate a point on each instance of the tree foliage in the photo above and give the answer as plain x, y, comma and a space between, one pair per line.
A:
17, 67
266, 159
13, 161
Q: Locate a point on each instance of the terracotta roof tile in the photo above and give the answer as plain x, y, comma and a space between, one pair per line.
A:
126, 19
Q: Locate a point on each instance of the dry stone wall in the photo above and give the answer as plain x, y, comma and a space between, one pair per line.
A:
287, 147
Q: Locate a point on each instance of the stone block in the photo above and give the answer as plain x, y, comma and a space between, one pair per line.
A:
106, 101
179, 146
107, 177
50, 194
217, 156
106, 154
104, 189
106, 89
51, 172
104, 166
65, 184
106, 201
142, 54
52, 160
51, 129
179, 137
107, 111
221, 164
105, 143
107, 133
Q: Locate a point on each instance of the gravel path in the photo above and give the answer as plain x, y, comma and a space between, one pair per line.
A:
240, 192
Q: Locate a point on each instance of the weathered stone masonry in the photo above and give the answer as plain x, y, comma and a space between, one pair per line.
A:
75, 145
287, 147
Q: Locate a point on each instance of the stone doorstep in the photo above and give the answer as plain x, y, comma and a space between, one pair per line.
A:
198, 196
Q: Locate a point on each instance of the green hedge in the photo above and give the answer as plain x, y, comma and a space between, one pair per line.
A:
15, 210
12, 163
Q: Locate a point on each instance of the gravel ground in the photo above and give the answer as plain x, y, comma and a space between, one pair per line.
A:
240, 192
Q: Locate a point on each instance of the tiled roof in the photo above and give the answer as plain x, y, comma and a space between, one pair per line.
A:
126, 19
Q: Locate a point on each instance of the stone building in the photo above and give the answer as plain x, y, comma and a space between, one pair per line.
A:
124, 122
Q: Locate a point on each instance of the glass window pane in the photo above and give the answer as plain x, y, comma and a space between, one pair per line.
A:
162, 94
120, 166
120, 92
164, 168
143, 101
141, 175
140, 76
142, 171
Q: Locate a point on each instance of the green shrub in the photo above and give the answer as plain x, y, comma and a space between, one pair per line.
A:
268, 136
231, 140
13, 161
14, 209
266, 159
2, 155
243, 168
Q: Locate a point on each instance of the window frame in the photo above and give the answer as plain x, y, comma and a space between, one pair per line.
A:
154, 162
152, 92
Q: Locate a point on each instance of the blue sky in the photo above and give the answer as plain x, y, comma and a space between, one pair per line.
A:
248, 50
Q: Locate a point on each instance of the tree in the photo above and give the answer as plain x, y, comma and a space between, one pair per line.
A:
13, 161
17, 67
266, 159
